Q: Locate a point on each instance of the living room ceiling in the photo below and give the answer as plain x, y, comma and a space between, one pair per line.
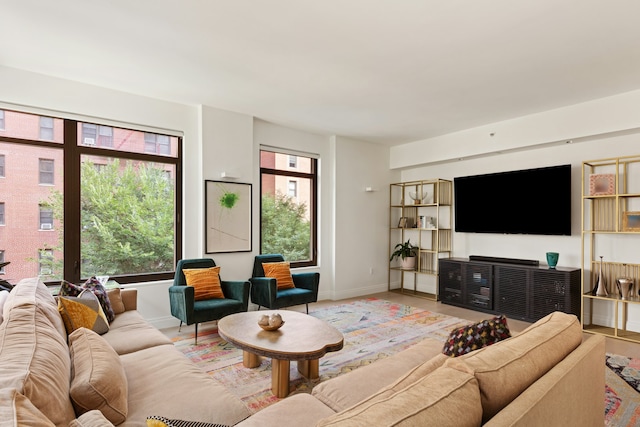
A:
378, 70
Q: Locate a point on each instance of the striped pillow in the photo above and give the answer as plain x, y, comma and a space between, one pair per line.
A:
156, 421
280, 271
206, 282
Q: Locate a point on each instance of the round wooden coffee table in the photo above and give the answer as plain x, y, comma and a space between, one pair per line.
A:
302, 338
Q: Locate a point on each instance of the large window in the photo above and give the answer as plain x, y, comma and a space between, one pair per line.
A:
111, 208
289, 207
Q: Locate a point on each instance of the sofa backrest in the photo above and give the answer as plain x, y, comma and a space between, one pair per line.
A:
506, 369
34, 356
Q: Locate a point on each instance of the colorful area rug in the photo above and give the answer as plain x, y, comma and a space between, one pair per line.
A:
622, 391
372, 329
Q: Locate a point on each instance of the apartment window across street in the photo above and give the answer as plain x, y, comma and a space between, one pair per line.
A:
293, 161
1, 165
46, 218
289, 207
1, 119
154, 143
46, 128
46, 171
2, 270
1, 213
101, 136
115, 207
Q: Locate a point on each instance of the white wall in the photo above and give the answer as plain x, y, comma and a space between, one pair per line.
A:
361, 217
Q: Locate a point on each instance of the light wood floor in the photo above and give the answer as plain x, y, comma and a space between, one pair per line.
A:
615, 346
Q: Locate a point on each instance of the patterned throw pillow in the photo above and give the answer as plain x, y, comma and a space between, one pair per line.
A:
83, 311
156, 421
475, 336
281, 271
206, 282
92, 284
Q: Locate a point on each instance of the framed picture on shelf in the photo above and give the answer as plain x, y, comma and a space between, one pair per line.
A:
402, 223
631, 221
602, 184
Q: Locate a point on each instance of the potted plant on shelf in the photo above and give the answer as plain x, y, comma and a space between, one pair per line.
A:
407, 254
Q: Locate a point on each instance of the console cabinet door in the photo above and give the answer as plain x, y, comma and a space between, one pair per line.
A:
450, 284
511, 289
478, 285
555, 291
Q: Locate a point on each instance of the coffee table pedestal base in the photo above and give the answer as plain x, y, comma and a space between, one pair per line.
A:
250, 360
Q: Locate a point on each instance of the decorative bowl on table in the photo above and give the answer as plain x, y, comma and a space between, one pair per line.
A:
271, 323
271, 328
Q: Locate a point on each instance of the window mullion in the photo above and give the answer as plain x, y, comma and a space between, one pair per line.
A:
71, 202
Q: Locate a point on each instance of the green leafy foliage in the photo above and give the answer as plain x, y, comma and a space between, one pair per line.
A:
127, 219
285, 229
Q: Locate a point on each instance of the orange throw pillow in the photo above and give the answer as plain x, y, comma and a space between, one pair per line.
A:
206, 282
280, 271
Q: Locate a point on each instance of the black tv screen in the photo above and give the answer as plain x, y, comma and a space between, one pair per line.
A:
532, 201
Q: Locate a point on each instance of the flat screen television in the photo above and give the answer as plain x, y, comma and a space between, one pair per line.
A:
532, 201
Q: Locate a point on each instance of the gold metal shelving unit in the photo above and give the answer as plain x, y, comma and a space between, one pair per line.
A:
427, 223
610, 210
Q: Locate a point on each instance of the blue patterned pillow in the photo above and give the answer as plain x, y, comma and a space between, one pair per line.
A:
473, 337
93, 285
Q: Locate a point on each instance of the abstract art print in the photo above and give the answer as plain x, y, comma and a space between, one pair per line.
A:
228, 207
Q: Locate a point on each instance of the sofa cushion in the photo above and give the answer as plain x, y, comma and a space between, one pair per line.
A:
17, 408
83, 311
34, 291
344, 391
93, 285
472, 337
92, 418
205, 282
505, 370
281, 271
34, 360
445, 397
98, 381
129, 332
294, 411
115, 298
198, 397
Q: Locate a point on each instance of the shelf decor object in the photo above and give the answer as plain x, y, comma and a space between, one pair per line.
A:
601, 286
424, 216
601, 184
552, 259
610, 230
631, 221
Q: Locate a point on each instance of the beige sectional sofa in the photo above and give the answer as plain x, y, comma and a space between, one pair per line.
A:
131, 372
548, 375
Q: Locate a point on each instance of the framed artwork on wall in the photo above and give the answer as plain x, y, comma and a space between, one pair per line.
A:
227, 217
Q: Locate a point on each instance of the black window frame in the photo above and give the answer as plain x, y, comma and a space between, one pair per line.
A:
313, 214
72, 155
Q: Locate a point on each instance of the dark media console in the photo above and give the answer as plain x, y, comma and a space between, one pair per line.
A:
519, 289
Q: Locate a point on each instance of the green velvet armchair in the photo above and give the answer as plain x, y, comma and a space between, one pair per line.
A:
265, 293
187, 310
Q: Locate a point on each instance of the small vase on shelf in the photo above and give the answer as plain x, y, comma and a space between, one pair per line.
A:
601, 288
